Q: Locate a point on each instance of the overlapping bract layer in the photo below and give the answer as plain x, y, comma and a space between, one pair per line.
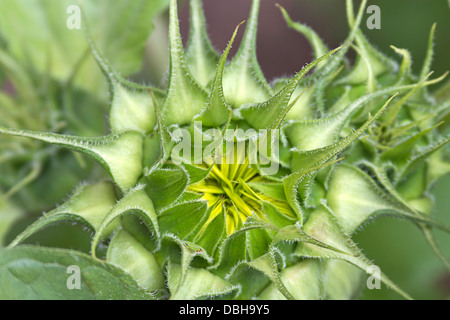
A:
294, 226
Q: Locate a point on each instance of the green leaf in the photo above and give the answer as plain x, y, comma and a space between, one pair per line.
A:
301, 181
258, 241
212, 235
343, 280
420, 207
120, 155
182, 86
131, 109
165, 139
291, 184
303, 281
314, 134
342, 103
422, 156
198, 284
303, 160
243, 80
307, 135
354, 198
152, 152
270, 114
135, 202
324, 228
276, 217
268, 266
88, 205
250, 281
295, 233
392, 114
125, 252
182, 219
401, 152
271, 189
231, 253
196, 173
164, 186
189, 251
201, 56
301, 105
132, 105
218, 111
35, 273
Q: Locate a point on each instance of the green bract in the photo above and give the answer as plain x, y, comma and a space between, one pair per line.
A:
226, 186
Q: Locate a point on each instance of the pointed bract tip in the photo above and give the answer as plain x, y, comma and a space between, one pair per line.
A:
237, 28
285, 14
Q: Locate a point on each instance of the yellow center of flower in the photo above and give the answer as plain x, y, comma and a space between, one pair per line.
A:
227, 190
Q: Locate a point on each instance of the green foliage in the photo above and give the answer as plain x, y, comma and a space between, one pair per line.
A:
41, 273
59, 88
120, 31
357, 141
